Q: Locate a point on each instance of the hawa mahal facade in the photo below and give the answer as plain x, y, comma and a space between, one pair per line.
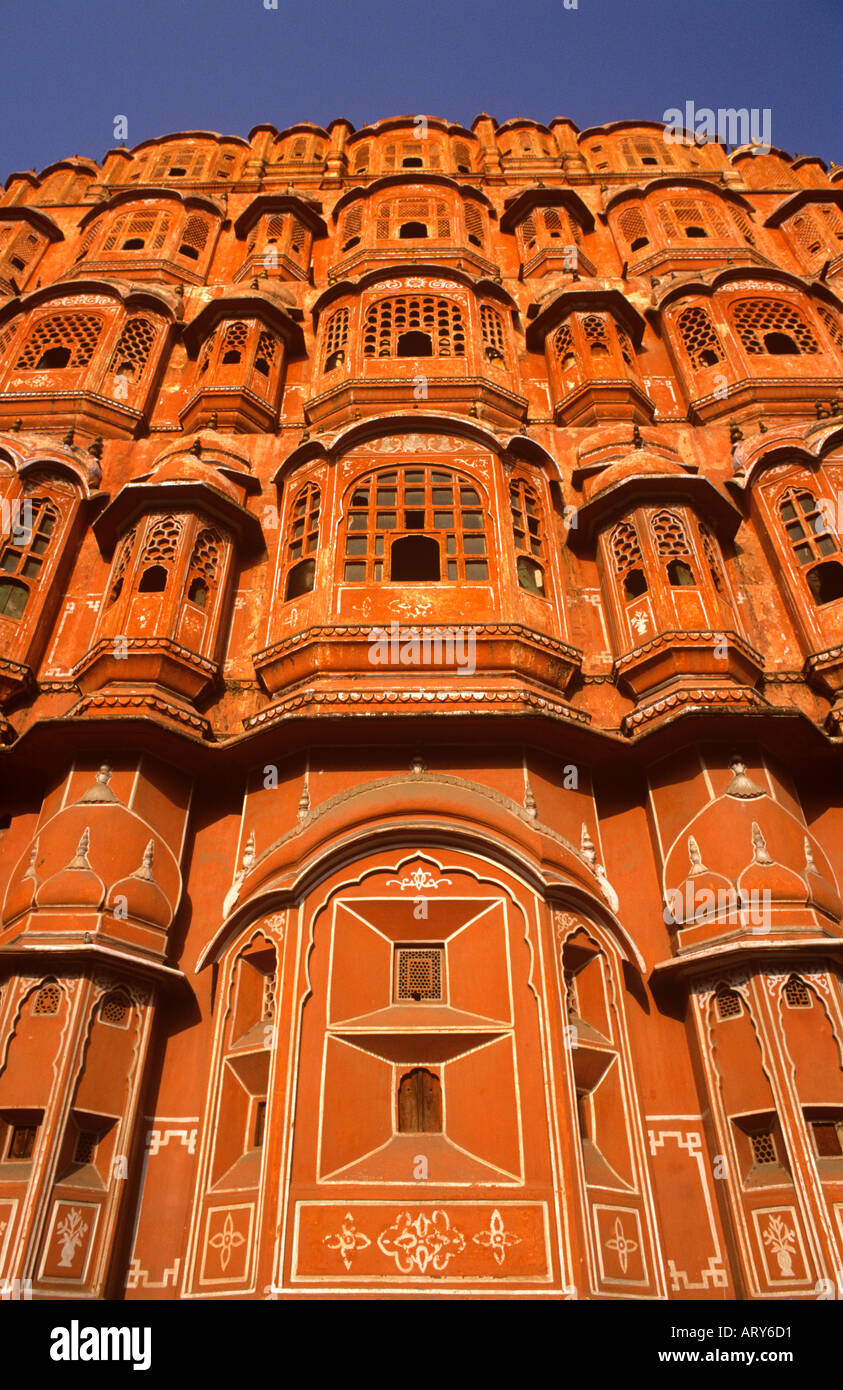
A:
421, 702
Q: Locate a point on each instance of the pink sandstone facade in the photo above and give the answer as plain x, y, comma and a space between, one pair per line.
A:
421, 699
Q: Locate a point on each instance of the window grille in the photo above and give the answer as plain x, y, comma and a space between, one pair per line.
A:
24, 554
120, 568
756, 319
361, 160
797, 994
233, 344
563, 346
440, 319
268, 1009
528, 231
699, 337
743, 225
832, 324
114, 1010
806, 526
352, 224
526, 518
303, 532
729, 1004
336, 338
418, 972
671, 538
764, 1147
626, 551
634, 228
435, 502
207, 553
78, 334
298, 237
627, 350
133, 348
265, 353
163, 541
194, 238
462, 156
594, 330
835, 220
473, 223
808, 232
47, 1000
491, 325
711, 555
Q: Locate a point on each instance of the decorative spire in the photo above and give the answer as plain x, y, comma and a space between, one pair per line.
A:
587, 846
759, 844
697, 866
418, 764
637, 441
530, 802
249, 855
145, 870
741, 787
80, 859
810, 866
33, 855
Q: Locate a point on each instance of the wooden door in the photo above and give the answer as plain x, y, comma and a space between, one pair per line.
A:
420, 1103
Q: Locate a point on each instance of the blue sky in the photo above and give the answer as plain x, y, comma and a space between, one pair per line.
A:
225, 65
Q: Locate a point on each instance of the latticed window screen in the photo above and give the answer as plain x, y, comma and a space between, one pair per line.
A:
233, 344
633, 227
699, 337
87, 241
352, 224
626, 552
19, 250
743, 225
298, 148
834, 218
638, 152
528, 231
265, 353
183, 163
625, 345
806, 526
6, 336
361, 160
77, 333
526, 518
594, 331
393, 215
832, 323
303, 530
389, 319
764, 1147
670, 534
797, 994
560, 226
121, 566
808, 232
563, 346
163, 541
474, 222
491, 325
336, 337
756, 319
268, 1009
26, 550
146, 231
411, 501
47, 1000
114, 1010
194, 238
729, 1004
298, 237
711, 554
133, 348
679, 215
418, 972
462, 156
207, 552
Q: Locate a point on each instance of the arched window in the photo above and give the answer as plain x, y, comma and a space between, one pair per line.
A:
728, 1003
527, 230
204, 567
686, 218
233, 344
133, 348
141, 231
194, 238
302, 542
462, 157
415, 503
796, 994
527, 533
673, 545
160, 551
806, 526
474, 224
715, 567
491, 327
420, 1103
60, 340
772, 327
563, 346
392, 320
25, 552
634, 229
361, 160
699, 337
119, 572
352, 224
628, 560
594, 330
832, 323
336, 339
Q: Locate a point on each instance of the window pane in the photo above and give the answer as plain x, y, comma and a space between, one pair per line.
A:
476, 569
357, 521
442, 496
443, 519
353, 571
475, 545
472, 521
356, 545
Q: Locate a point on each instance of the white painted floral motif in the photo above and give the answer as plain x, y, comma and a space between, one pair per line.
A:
347, 1240
419, 878
640, 621
622, 1245
781, 1240
496, 1238
421, 1242
227, 1240
71, 1233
